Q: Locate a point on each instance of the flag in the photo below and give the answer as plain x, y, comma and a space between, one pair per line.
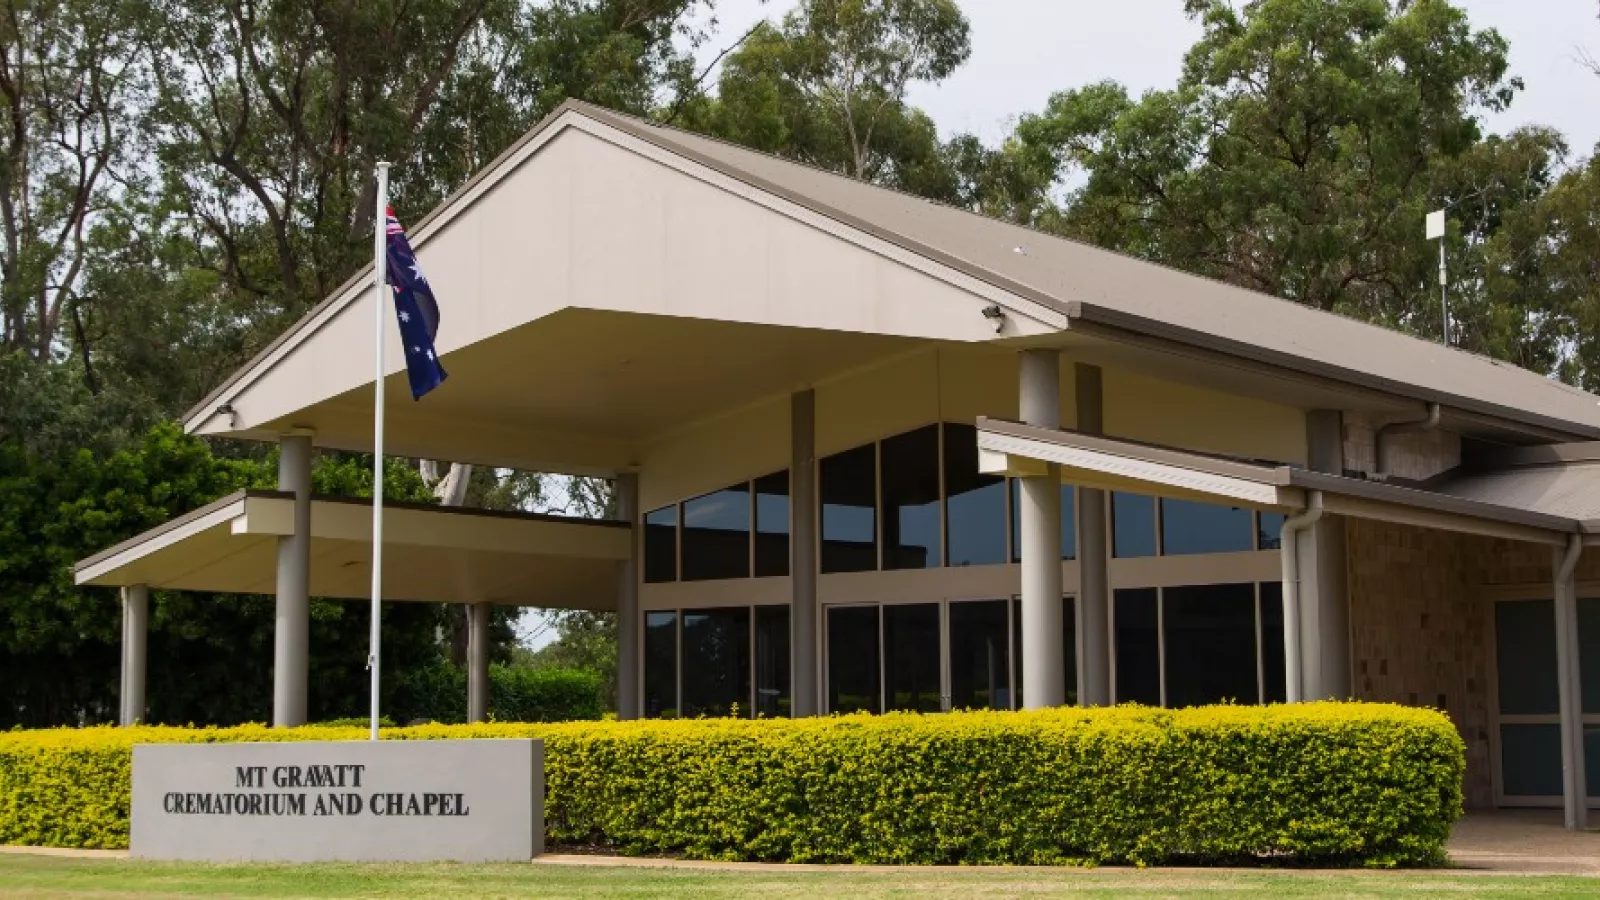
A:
417, 310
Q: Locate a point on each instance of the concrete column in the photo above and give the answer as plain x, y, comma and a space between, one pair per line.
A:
135, 652
1043, 653
628, 624
805, 650
291, 657
478, 662
1574, 780
1094, 553
1324, 601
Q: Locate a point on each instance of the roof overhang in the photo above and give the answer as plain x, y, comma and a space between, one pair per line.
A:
1112, 464
436, 554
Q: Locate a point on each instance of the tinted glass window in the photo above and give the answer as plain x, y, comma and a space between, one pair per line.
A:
1211, 644
660, 664
911, 656
1274, 678
716, 535
1189, 527
772, 525
1530, 758
1589, 667
661, 545
772, 661
1133, 525
910, 484
975, 504
1069, 644
853, 674
1269, 530
716, 661
980, 658
1069, 521
1525, 638
847, 487
1138, 647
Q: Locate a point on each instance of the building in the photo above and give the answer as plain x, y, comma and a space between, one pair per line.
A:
835, 415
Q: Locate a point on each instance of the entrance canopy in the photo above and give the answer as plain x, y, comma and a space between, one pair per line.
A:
436, 554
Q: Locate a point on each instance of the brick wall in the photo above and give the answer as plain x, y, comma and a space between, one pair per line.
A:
1414, 455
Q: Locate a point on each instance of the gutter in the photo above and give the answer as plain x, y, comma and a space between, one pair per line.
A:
1289, 554
1380, 446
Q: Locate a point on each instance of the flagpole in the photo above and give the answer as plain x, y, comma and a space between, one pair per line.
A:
379, 279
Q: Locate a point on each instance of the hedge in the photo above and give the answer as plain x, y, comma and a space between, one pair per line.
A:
1320, 783
516, 694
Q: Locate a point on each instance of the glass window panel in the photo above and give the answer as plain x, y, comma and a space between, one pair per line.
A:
661, 545
854, 677
1211, 644
1069, 664
1274, 675
910, 486
1189, 527
772, 661
1589, 660
660, 665
1069, 521
716, 661
847, 487
911, 656
980, 658
1133, 525
772, 525
716, 535
1138, 647
1530, 759
975, 504
1591, 757
1269, 530
1525, 651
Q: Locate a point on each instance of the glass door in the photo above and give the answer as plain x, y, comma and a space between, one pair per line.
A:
1527, 725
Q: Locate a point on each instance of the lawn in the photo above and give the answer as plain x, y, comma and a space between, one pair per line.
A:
34, 876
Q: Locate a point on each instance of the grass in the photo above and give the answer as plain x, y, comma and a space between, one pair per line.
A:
39, 876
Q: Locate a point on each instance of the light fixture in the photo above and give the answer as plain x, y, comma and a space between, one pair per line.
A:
994, 313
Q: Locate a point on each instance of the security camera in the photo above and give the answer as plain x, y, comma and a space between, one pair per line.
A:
997, 315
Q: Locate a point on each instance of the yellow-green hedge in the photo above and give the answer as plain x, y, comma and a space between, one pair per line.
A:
1323, 782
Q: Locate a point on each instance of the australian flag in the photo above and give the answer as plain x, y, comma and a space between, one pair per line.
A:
417, 310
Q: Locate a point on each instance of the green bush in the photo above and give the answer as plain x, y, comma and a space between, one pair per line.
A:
438, 693
1322, 782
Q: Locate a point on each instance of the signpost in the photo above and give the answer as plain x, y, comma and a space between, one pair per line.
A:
354, 801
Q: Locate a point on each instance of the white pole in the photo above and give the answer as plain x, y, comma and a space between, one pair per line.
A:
1444, 293
379, 308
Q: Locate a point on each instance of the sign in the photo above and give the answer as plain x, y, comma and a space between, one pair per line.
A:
378, 801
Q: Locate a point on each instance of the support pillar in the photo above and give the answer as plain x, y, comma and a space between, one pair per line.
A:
805, 650
1094, 552
291, 657
1574, 780
135, 652
1043, 648
1324, 601
478, 662
628, 624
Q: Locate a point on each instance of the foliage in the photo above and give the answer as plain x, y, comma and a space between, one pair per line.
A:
517, 693
1321, 782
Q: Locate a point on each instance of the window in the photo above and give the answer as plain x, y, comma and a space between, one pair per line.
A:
1069, 661
716, 535
1138, 646
1133, 525
1530, 744
847, 487
1274, 677
980, 658
854, 675
661, 545
716, 661
661, 665
1188, 527
1210, 644
772, 662
975, 504
1269, 530
911, 510
911, 656
772, 525
1524, 649
1069, 521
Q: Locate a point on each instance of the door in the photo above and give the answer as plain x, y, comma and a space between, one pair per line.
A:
1526, 734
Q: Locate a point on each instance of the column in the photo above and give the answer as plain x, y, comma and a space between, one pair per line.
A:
135, 651
628, 624
291, 657
1094, 552
1574, 781
804, 647
1324, 602
478, 662
1043, 651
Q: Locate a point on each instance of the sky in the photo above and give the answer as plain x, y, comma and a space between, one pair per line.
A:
1025, 50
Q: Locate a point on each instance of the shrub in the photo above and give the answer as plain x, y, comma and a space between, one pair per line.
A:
1322, 782
516, 694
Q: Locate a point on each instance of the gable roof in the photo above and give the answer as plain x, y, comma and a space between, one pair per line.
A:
1096, 289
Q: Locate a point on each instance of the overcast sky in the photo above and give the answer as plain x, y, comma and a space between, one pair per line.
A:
1025, 50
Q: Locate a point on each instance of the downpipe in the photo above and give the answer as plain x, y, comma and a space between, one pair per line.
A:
1569, 680
1289, 554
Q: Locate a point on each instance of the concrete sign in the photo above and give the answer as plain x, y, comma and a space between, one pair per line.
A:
385, 801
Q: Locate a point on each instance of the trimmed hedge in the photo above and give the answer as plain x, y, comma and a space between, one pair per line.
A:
516, 694
1320, 782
